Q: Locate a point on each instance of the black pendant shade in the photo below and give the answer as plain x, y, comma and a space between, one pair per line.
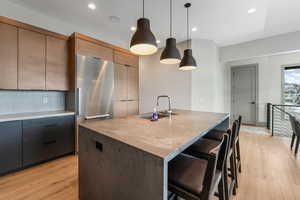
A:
170, 54
188, 62
143, 41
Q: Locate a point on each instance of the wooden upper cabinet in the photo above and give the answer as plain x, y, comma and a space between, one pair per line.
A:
57, 76
32, 57
87, 48
126, 59
133, 83
8, 57
121, 82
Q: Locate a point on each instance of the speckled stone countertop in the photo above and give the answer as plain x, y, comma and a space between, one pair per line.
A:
161, 138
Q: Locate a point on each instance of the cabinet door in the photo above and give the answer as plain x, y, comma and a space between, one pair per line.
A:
121, 82
133, 83
86, 48
57, 76
10, 146
120, 109
45, 139
8, 57
132, 108
32, 48
126, 59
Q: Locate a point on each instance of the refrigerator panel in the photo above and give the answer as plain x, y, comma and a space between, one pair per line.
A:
95, 87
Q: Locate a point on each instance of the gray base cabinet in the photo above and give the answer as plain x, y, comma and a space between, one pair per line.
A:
45, 139
29, 142
10, 146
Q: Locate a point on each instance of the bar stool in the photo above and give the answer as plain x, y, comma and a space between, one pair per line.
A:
197, 150
217, 135
199, 178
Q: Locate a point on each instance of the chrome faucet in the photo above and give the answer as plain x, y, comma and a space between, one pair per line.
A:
164, 96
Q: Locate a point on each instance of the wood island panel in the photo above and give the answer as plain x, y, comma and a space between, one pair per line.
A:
112, 170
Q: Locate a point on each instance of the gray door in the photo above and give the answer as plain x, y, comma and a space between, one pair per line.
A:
243, 89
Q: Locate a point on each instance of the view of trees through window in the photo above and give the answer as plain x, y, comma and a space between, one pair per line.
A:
292, 86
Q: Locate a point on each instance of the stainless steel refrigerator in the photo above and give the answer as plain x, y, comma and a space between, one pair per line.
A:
95, 88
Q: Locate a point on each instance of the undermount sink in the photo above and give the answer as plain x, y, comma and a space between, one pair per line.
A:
161, 114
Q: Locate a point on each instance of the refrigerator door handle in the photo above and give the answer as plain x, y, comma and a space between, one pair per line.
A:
78, 100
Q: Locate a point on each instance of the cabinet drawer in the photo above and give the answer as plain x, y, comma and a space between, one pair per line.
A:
44, 139
10, 146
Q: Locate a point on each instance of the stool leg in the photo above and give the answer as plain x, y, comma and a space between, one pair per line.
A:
221, 189
235, 168
232, 173
293, 140
226, 186
239, 155
297, 145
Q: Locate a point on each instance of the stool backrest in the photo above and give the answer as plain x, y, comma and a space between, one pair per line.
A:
222, 157
297, 127
239, 120
234, 132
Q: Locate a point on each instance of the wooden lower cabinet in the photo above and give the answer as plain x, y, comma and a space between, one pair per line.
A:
10, 146
125, 108
132, 108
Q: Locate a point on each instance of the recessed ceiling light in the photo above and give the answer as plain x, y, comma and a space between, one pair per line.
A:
157, 41
92, 6
251, 10
194, 29
133, 28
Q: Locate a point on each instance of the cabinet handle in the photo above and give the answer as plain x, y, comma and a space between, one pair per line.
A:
50, 142
99, 146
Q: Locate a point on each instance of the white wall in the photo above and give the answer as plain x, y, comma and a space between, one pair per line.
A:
208, 78
200, 89
159, 79
26, 15
269, 79
286, 43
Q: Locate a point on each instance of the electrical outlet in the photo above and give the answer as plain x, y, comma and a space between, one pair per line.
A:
45, 100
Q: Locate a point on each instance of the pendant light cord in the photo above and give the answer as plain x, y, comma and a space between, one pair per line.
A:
143, 8
171, 19
188, 29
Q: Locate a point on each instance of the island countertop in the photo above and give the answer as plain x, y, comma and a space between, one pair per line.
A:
163, 138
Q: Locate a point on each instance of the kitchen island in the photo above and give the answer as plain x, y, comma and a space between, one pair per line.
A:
127, 159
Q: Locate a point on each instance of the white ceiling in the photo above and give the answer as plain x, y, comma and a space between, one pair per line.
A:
224, 21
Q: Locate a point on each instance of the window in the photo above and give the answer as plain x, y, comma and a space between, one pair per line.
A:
291, 89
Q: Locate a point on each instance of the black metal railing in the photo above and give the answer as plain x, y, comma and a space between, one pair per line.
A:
278, 118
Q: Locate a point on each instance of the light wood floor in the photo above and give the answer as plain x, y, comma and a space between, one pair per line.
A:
270, 172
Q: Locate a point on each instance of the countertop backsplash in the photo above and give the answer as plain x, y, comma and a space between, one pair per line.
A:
12, 102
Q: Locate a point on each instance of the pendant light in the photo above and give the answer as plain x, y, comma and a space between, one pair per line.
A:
188, 62
170, 54
143, 41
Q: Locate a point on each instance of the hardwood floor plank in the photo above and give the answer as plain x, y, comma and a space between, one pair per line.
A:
270, 171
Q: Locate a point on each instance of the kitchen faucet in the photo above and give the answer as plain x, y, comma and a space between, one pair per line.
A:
164, 96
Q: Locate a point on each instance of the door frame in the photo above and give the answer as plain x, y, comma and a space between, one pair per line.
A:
255, 67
